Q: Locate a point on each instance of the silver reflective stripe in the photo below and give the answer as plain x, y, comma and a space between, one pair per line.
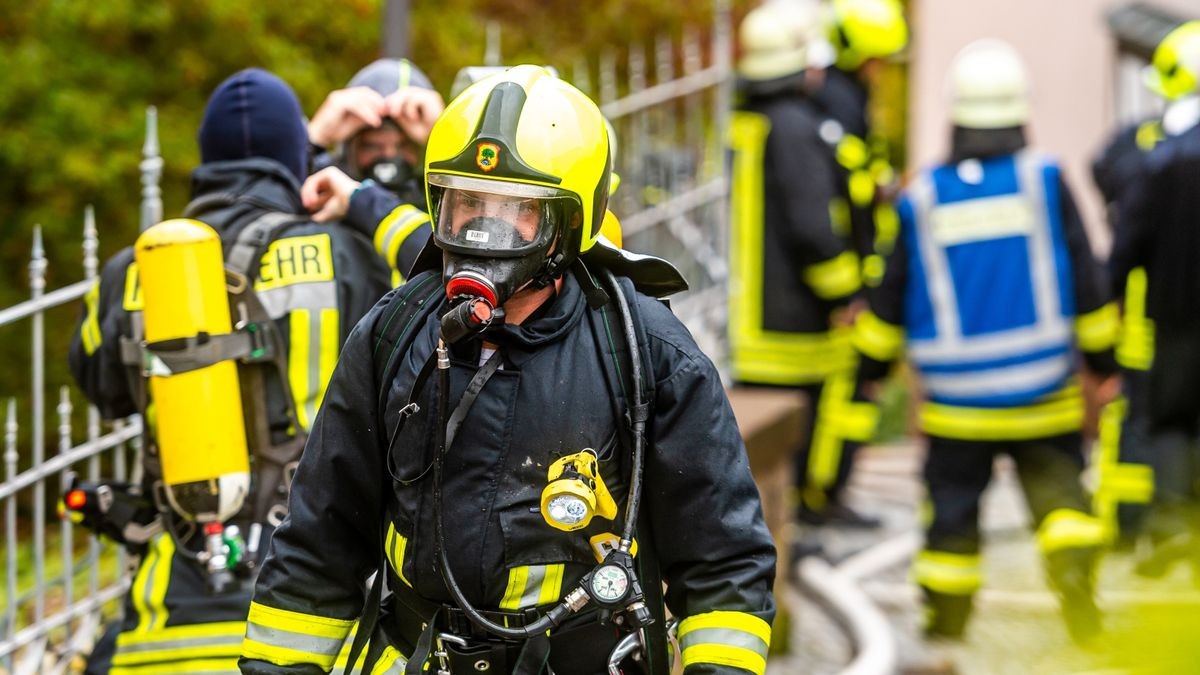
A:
391, 662
278, 637
992, 346
232, 640
996, 381
402, 226
724, 636
533, 586
950, 345
307, 295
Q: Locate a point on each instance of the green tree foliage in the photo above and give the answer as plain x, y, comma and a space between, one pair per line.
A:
76, 77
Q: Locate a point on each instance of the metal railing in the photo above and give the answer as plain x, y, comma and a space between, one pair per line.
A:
50, 614
670, 114
672, 204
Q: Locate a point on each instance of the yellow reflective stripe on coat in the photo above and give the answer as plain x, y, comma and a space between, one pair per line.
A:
948, 573
1098, 330
393, 230
395, 544
532, 586
176, 647
149, 590
1135, 349
769, 357
736, 639
1068, 528
314, 344
835, 278
876, 338
131, 299
1062, 413
1149, 134
89, 330
391, 662
286, 638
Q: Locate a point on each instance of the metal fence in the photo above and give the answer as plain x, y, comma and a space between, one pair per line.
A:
670, 112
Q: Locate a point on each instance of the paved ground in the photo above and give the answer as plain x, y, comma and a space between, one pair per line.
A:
1152, 627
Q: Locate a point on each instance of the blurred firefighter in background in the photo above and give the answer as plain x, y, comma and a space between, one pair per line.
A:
375, 131
1124, 461
1156, 232
792, 277
993, 292
862, 33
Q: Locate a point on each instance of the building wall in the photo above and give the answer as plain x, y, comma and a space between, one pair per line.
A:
1072, 62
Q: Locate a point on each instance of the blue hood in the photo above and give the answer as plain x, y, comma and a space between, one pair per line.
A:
255, 114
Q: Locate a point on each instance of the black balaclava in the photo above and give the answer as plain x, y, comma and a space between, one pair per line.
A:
253, 113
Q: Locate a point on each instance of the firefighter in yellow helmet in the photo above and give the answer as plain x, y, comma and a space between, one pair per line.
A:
791, 274
993, 294
1124, 459
522, 440
1156, 233
862, 33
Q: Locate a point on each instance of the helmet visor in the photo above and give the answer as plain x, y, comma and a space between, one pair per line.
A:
493, 217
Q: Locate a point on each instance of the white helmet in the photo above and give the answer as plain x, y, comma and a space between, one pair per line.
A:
782, 38
988, 86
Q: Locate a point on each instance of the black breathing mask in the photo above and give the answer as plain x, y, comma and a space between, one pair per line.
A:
393, 173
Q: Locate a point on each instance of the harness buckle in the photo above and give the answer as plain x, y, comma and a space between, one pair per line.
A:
443, 656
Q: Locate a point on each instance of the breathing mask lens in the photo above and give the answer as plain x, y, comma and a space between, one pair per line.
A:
493, 224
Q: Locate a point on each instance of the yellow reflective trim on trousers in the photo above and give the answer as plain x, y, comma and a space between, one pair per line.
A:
396, 545
838, 420
835, 278
1003, 424
876, 338
1098, 330
89, 330
1127, 483
948, 573
1068, 528
299, 622
1135, 348
199, 630
150, 585
736, 657
193, 666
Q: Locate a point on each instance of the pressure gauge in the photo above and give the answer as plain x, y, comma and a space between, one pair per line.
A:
609, 584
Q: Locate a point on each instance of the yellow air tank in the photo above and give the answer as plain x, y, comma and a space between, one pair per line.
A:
200, 430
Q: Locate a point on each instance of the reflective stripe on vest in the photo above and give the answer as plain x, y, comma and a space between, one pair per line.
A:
998, 365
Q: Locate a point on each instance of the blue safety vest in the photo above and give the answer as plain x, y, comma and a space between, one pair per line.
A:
989, 303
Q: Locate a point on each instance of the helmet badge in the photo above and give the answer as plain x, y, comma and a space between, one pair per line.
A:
486, 156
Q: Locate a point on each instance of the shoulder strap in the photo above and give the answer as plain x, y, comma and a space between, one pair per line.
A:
253, 239
407, 309
208, 202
